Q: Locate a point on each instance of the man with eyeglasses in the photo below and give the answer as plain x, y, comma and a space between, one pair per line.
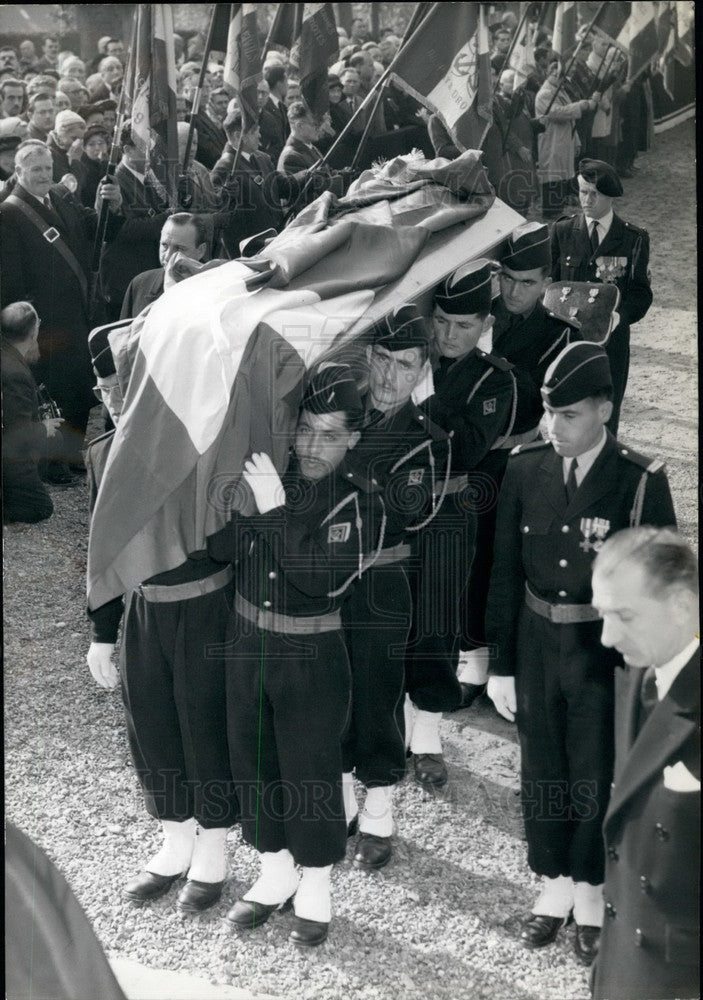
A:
529, 337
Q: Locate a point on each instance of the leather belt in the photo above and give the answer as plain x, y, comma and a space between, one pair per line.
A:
393, 554
273, 621
455, 485
515, 439
561, 614
162, 593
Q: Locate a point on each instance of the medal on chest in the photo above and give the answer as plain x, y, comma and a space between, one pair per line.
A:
593, 528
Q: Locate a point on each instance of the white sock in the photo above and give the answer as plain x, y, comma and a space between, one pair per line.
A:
351, 806
209, 863
556, 898
177, 850
409, 713
425, 738
473, 666
278, 879
312, 900
588, 904
377, 817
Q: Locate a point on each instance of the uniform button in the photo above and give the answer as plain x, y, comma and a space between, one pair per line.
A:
610, 910
645, 884
639, 936
267, 604
526, 528
624, 451
420, 417
613, 854
272, 575
662, 831
565, 528
563, 563
562, 593
349, 475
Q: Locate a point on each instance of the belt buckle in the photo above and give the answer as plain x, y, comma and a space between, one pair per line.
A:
51, 235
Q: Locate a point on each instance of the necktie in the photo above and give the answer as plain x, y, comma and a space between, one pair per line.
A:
594, 237
648, 695
46, 201
571, 484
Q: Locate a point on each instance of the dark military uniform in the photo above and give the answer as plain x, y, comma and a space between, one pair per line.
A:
623, 259
546, 633
288, 678
475, 400
406, 454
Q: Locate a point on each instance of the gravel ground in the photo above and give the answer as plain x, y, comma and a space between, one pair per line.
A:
441, 922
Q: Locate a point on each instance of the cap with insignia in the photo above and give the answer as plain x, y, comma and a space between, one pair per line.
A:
467, 291
332, 389
401, 329
100, 351
580, 370
529, 247
601, 174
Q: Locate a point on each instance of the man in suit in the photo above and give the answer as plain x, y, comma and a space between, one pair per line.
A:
645, 586
300, 155
42, 115
559, 500
597, 245
183, 234
211, 136
45, 256
273, 122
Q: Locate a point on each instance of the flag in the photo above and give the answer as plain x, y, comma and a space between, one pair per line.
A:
683, 52
522, 57
642, 40
318, 47
150, 96
565, 24
446, 66
418, 15
286, 25
242, 70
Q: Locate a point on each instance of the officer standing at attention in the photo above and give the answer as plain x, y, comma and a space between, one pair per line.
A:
288, 678
475, 400
529, 337
406, 453
597, 245
559, 501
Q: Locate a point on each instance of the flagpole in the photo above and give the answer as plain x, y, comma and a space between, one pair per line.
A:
565, 72
506, 64
195, 107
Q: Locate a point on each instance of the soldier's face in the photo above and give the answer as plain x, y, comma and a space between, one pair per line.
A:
456, 336
647, 629
393, 375
576, 428
321, 442
594, 204
521, 290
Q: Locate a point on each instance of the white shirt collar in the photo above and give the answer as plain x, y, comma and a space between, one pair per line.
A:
140, 177
585, 460
604, 224
665, 675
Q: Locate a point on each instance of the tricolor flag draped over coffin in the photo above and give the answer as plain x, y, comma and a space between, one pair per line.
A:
214, 367
445, 65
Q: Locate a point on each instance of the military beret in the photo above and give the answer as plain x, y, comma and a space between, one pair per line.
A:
100, 351
529, 247
601, 174
332, 389
467, 291
580, 370
401, 329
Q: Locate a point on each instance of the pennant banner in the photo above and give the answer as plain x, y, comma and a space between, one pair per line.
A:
242, 69
319, 45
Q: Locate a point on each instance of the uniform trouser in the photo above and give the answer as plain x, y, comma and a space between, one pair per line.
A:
376, 621
287, 707
564, 684
475, 598
25, 498
174, 694
618, 351
444, 552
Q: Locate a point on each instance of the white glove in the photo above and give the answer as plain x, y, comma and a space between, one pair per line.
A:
501, 691
265, 483
99, 658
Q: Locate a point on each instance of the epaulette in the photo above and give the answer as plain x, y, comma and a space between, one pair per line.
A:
636, 229
566, 217
429, 425
358, 481
648, 464
520, 449
500, 363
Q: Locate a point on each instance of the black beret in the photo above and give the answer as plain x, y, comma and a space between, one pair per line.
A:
580, 370
529, 247
601, 174
331, 390
467, 291
401, 329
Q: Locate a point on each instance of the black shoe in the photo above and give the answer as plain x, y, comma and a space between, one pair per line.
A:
469, 693
248, 913
353, 827
586, 943
372, 852
308, 933
540, 930
196, 896
148, 885
430, 769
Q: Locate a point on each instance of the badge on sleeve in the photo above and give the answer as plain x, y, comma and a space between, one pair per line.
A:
415, 477
489, 406
339, 532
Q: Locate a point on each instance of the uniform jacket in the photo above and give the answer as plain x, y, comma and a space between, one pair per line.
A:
542, 541
142, 291
622, 258
274, 128
649, 945
475, 397
255, 194
23, 434
530, 344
